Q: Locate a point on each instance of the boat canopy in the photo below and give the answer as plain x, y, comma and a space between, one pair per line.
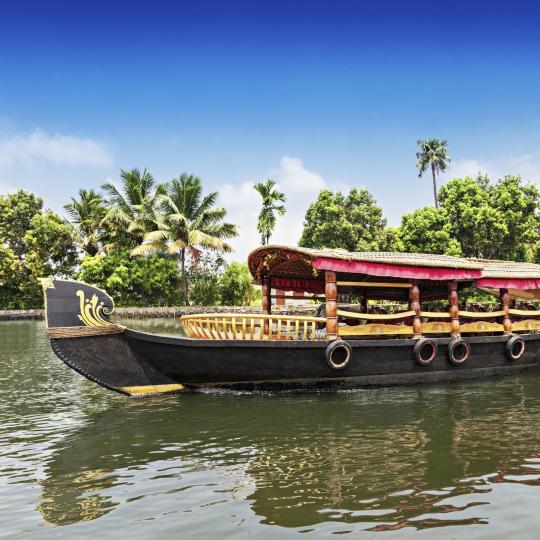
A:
302, 269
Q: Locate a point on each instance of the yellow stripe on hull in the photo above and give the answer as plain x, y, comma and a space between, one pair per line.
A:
151, 389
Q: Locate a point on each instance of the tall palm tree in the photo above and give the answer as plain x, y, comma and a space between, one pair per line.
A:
187, 222
132, 209
86, 214
266, 222
433, 153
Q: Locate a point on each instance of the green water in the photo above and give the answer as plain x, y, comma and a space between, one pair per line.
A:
76, 461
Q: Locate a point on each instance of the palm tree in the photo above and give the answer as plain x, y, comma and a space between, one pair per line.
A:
86, 215
433, 153
132, 209
266, 222
186, 223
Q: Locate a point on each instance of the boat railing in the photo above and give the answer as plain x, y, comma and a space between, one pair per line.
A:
227, 326
253, 326
433, 322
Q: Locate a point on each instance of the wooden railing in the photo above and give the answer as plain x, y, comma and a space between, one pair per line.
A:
287, 327
383, 324
437, 323
252, 326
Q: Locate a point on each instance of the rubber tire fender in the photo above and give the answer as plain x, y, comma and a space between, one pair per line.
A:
419, 346
332, 352
509, 348
452, 346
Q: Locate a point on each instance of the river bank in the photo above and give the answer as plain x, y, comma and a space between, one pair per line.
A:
164, 312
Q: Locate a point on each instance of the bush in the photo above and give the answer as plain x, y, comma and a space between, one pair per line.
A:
204, 280
134, 281
236, 285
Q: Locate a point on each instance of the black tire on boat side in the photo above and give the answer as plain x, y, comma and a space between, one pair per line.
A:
425, 350
515, 348
338, 354
458, 351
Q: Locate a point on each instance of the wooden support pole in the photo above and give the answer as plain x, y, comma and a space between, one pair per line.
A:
453, 309
363, 301
266, 301
414, 305
330, 291
505, 306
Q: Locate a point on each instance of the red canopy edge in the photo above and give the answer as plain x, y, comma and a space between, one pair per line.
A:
298, 285
391, 270
509, 283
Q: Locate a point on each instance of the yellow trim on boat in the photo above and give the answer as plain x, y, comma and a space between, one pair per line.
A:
152, 389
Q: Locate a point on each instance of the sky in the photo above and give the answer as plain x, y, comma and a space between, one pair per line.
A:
315, 94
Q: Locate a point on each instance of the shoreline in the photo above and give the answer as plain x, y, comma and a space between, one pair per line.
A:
163, 312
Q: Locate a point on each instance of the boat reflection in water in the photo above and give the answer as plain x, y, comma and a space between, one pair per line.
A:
383, 459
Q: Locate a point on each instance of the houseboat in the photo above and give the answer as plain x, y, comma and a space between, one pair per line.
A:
432, 339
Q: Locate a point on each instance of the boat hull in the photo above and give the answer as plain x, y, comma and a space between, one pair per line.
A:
137, 359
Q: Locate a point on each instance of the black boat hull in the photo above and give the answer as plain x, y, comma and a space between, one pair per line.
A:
138, 363
136, 359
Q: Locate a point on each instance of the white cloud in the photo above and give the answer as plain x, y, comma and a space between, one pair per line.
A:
469, 167
297, 178
528, 167
301, 187
61, 149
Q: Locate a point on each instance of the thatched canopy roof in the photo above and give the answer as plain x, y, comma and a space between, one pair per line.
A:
303, 268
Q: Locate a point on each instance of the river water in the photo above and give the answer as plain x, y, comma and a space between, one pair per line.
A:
76, 461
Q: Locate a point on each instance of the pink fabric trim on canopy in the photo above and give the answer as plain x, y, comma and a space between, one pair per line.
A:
391, 270
298, 285
509, 283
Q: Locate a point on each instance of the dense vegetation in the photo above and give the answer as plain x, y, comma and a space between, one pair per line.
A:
163, 244
474, 218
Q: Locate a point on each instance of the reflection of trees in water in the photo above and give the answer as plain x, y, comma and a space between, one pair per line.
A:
384, 457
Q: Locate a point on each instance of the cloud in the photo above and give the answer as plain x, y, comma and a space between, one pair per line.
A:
469, 167
297, 178
301, 187
528, 167
39, 145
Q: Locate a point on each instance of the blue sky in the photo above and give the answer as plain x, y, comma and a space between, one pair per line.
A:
315, 94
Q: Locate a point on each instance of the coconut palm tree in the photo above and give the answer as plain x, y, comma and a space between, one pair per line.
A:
186, 223
433, 154
132, 208
266, 221
86, 214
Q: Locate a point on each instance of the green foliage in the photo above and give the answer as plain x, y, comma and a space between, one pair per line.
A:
236, 285
427, 230
354, 222
134, 281
204, 280
390, 240
16, 213
493, 221
34, 243
132, 208
186, 223
271, 198
433, 153
87, 214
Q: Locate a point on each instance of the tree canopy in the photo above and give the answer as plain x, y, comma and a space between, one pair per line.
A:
185, 223
271, 204
353, 222
34, 243
432, 154
477, 218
